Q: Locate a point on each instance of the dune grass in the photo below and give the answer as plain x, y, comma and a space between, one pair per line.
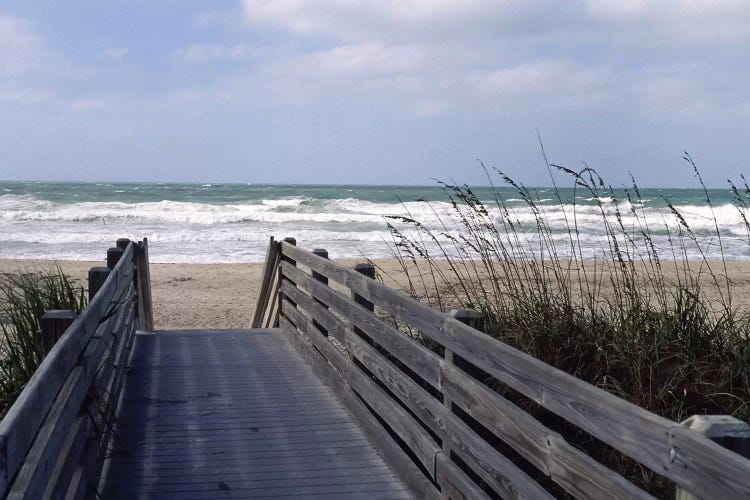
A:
24, 297
649, 325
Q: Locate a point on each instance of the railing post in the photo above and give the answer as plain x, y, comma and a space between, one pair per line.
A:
320, 252
122, 243
368, 270
291, 241
113, 256
54, 323
731, 433
97, 277
474, 319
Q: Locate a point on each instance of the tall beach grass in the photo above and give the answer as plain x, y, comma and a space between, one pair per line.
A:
24, 297
652, 324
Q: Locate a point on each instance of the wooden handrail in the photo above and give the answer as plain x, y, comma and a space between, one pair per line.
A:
46, 448
396, 387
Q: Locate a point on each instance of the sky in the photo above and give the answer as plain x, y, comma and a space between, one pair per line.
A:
373, 91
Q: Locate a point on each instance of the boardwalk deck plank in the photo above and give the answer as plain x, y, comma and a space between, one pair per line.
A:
235, 414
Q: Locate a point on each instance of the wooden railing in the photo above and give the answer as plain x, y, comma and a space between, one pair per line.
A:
437, 421
54, 437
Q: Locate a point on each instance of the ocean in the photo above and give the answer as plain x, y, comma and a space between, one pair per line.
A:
224, 223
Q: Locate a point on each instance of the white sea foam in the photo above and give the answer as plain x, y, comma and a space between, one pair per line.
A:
184, 231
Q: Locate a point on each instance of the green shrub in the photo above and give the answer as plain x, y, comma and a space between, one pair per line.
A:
24, 297
659, 330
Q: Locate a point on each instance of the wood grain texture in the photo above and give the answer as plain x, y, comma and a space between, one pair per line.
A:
421, 360
454, 483
504, 477
575, 471
642, 435
20, 425
222, 414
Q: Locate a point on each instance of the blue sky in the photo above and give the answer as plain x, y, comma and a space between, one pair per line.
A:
373, 91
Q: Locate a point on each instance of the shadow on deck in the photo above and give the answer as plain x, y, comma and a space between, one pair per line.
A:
235, 414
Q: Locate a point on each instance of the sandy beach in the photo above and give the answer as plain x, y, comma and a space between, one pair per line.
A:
190, 296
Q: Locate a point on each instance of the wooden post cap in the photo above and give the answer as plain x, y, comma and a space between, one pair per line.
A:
97, 277
470, 317
321, 252
122, 243
113, 256
290, 240
365, 268
53, 324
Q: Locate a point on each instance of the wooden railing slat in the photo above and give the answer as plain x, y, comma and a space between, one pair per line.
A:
68, 460
421, 360
268, 271
19, 426
335, 358
507, 479
395, 456
643, 436
39, 465
321, 314
454, 483
575, 471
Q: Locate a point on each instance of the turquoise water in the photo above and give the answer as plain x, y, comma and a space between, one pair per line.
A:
232, 222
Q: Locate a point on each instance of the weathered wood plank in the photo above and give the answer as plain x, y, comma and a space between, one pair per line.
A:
421, 360
69, 458
333, 325
265, 286
144, 286
507, 479
454, 483
419, 441
250, 440
636, 432
20, 425
334, 356
39, 464
575, 471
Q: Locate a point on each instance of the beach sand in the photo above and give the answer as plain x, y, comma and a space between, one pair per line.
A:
191, 296
188, 296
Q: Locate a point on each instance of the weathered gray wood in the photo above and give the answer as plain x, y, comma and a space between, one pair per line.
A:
334, 356
69, 458
39, 465
77, 487
454, 483
419, 441
421, 360
144, 285
242, 409
731, 433
122, 243
575, 471
323, 254
322, 317
395, 456
469, 317
642, 435
54, 323
21, 423
499, 472
269, 269
113, 256
97, 277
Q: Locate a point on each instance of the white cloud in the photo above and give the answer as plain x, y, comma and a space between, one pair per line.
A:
204, 53
11, 92
115, 53
21, 49
88, 104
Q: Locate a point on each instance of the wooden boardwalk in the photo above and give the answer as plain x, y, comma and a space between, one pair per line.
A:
235, 414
